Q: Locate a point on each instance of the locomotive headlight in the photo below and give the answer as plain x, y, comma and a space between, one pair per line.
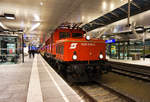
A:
101, 56
87, 37
74, 57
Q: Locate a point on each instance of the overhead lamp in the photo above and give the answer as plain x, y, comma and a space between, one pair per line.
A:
36, 17
6, 30
140, 28
8, 16
104, 5
111, 6
3, 26
35, 26
148, 29
41, 3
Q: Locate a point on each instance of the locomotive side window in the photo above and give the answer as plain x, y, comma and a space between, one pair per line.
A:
76, 34
63, 35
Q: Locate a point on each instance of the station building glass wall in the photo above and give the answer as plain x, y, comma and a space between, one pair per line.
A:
9, 47
127, 49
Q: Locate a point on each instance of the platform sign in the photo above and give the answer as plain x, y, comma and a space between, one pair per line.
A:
110, 41
113, 49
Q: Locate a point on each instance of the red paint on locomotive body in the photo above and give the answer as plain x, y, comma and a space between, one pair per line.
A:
85, 50
72, 41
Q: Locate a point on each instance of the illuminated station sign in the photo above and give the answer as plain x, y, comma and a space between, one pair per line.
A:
110, 41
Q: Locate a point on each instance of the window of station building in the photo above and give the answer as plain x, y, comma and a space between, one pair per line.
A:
63, 35
76, 34
135, 48
147, 47
11, 48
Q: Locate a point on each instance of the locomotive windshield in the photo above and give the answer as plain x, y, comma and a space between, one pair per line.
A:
63, 35
76, 34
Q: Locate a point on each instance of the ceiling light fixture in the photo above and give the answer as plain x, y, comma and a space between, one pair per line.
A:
104, 5
36, 17
83, 18
6, 30
22, 24
8, 16
35, 26
41, 3
112, 6
140, 28
4, 27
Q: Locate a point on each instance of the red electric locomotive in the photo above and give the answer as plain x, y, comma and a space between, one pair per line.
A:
75, 56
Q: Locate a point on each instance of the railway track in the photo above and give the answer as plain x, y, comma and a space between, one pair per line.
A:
134, 71
96, 92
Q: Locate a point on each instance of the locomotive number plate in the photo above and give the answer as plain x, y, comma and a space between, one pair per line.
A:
88, 44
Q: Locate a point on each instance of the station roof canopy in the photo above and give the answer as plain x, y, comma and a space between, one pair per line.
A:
137, 6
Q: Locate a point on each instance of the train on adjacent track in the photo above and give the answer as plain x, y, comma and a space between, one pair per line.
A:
74, 55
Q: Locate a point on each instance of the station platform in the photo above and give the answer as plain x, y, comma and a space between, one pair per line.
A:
34, 81
142, 62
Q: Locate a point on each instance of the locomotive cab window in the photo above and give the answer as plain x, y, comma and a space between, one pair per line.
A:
77, 35
63, 35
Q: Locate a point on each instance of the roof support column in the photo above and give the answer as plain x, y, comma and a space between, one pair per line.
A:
129, 3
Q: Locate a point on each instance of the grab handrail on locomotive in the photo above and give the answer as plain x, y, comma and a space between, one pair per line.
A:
74, 56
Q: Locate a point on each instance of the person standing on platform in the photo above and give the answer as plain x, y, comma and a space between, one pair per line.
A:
29, 50
33, 50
